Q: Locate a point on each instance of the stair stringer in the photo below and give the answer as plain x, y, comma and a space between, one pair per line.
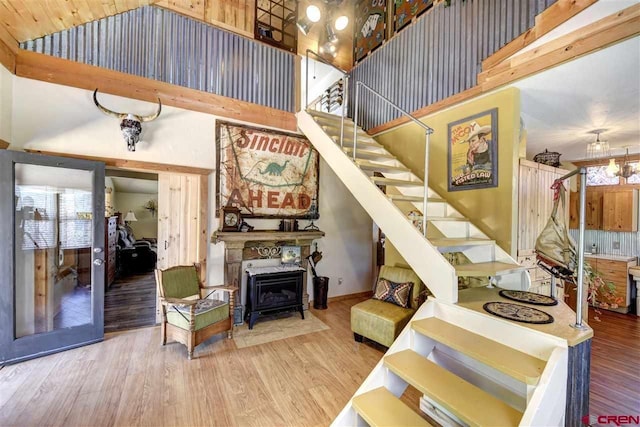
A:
519, 280
425, 260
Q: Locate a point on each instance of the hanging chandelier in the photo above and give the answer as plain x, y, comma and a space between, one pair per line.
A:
598, 149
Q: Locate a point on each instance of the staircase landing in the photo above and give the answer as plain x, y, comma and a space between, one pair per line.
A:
564, 317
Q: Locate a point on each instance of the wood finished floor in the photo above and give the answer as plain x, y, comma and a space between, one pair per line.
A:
130, 380
615, 361
130, 302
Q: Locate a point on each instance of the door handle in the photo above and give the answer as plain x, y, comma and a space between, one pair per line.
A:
166, 245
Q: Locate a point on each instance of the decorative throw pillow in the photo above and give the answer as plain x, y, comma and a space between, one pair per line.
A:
395, 293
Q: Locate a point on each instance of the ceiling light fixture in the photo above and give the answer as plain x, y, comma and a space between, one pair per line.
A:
331, 35
313, 13
329, 49
304, 25
598, 149
612, 168
627, 169
341, 22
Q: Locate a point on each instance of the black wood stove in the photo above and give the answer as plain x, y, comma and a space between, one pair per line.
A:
273, 291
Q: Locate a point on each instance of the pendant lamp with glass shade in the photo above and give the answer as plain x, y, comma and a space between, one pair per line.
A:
627, 169
598, 149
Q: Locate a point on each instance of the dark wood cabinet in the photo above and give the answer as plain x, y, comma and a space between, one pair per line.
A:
110, 241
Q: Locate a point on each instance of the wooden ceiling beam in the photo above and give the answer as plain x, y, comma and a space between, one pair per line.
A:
132, 165
50, 69
547, 20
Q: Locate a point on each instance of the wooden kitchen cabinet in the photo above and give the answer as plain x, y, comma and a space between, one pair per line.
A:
606, 209
592, 209
620, 210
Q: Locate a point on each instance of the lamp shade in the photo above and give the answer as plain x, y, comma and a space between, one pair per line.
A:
130, 216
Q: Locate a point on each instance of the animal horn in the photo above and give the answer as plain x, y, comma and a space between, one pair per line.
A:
151, 116
106, 110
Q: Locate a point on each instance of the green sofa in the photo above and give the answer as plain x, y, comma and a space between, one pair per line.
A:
382, 321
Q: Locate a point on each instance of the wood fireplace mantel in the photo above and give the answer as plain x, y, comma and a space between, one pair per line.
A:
262, 244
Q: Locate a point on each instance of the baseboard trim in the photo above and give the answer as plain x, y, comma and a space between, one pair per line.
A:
347, 296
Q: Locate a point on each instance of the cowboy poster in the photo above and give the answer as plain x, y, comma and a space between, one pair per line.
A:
266, 173
473, 152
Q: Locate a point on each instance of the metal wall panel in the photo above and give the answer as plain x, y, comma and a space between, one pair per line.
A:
162, 45
628, 242
440, 54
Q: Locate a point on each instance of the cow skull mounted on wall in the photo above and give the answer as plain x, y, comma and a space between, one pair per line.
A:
131, 124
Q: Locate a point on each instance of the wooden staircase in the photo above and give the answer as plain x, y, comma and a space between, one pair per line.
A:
449, 231
466, 374
472, 368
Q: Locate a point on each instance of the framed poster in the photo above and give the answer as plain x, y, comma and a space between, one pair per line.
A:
370, 25
473, 152
266, 173
406, 10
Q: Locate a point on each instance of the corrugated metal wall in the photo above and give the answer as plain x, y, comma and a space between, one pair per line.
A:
162, 45
628, 243
440, 54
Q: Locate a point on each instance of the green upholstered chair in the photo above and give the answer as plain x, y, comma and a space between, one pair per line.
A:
188, 315
383, 321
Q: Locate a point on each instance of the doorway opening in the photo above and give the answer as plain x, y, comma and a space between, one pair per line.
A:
131, 230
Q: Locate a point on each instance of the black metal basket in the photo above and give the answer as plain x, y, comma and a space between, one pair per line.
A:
548, 158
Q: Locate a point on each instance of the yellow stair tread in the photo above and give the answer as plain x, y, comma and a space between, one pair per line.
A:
464, 400
446, 241
486, 268
379, 407
514, 363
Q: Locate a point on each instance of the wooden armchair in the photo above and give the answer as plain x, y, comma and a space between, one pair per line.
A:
188, 316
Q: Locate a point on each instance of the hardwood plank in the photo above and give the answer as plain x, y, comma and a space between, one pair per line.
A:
130, 302
69, 73
225, 386
130, 164
8, 49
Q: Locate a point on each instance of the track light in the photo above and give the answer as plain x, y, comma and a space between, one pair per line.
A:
341, 22
329, 49
331, 35
304, 25
313, 13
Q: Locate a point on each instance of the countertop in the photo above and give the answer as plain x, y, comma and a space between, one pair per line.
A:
625, 258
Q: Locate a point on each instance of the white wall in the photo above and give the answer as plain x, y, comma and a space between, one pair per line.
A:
62, 119
146, 224
6, 98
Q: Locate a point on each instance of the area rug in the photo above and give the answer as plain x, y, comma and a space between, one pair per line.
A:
517, 312
277, 327
528, 297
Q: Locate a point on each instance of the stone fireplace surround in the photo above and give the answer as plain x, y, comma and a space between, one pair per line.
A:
265, 244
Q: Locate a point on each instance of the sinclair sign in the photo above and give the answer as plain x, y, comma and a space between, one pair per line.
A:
267, 174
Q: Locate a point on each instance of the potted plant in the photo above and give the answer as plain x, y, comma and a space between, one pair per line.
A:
600, 294
151, 206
